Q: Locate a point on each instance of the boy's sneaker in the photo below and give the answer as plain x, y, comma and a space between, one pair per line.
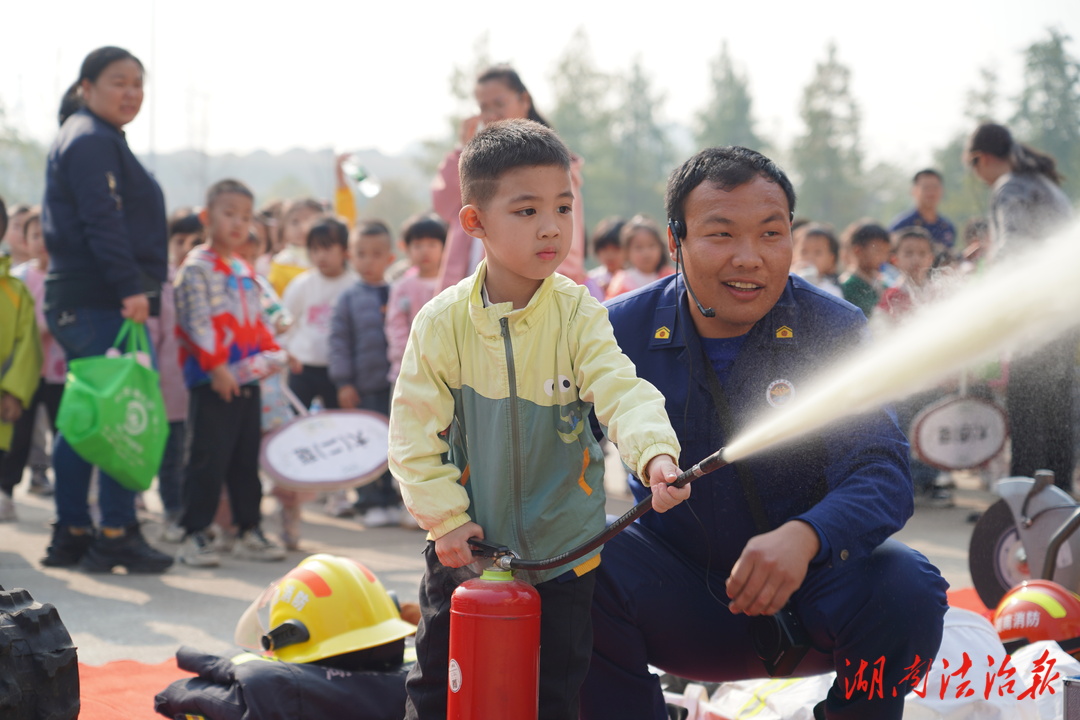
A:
67, 547
253, 545
7, 508
129, 551
173, 533
198, 551
378, 517
39, 484
338, 505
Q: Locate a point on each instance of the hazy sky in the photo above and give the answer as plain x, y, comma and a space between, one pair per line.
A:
238, 76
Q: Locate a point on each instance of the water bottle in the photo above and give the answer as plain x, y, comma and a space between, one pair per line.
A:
316, 405
368, 185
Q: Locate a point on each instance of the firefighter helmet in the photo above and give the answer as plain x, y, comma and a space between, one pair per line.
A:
325, 606
1038, 610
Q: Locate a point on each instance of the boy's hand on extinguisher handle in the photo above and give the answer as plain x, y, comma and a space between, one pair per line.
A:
453, 548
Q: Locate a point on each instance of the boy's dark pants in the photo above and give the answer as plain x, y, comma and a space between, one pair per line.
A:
11, 468
565, 642
314, 381
383, 491
223, 450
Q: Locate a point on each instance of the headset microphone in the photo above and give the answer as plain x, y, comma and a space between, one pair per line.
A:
676, 228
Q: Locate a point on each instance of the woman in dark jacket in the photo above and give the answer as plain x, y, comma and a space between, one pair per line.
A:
105, 230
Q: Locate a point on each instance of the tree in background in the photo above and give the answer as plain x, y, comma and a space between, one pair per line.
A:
583, 117
1048, 110
644, 150
827, 157
727, 119
965, 195
22, 166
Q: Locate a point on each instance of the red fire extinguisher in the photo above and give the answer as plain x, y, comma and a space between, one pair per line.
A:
494, 649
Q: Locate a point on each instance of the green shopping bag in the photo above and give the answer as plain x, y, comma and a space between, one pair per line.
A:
112, 413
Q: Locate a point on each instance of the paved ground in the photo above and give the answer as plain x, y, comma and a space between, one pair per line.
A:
147, 618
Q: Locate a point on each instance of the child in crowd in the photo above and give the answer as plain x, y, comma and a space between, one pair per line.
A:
862, 285
185, 234
646, 256
817, 252
309, 300
424, 237
220, 325
20, 356
489, 429
14, 240
608, 252
53, 372
296, 220
913, 256
359, 365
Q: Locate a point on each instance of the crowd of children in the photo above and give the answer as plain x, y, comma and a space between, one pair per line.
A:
241, 284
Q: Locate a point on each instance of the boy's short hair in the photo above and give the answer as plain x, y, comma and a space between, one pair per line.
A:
606, 233
910, 232
823, 232
867, 233
927, 172
503, 146
3, 218
328, 232
424, 225
372, 228
227, 187
186, 225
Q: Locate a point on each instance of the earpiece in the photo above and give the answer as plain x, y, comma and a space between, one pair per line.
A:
678, 230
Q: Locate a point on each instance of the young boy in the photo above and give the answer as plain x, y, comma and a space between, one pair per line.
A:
489, 433
607, 249
20, 356
358, 358
913, 256
424, 237
870, 250
220, 324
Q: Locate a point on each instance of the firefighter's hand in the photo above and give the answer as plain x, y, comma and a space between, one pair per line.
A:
771, 567
453, 548
661, 471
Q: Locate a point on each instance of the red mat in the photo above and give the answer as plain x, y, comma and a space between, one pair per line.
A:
968, 599
124, 689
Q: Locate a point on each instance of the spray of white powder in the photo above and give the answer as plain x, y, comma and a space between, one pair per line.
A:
1021, 304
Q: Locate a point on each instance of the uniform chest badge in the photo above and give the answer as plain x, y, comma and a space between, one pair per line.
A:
784, 333
662, 333
780, 393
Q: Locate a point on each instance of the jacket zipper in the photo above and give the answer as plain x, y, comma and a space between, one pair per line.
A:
517, 475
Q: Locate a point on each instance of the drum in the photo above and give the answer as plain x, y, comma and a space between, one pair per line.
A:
327, 450
959, 433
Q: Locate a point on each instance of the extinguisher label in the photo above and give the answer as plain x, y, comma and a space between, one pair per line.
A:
455, 676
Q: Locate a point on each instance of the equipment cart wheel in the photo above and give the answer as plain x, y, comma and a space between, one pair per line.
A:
997, 559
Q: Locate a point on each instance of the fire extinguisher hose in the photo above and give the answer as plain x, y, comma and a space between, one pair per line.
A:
507, 561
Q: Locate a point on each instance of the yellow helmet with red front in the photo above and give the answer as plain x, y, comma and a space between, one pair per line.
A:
324, 607
1038, 610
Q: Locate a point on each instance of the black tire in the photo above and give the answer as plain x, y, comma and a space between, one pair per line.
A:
39, 669
994, 555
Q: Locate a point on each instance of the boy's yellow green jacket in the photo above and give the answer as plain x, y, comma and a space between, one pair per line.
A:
515, 389
20, 344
